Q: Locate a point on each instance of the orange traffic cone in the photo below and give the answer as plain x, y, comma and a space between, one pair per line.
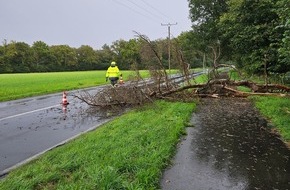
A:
64, 100
121, 80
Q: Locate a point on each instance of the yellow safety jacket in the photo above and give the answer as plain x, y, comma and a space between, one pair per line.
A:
112, 72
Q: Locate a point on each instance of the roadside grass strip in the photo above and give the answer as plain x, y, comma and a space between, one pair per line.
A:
277, 110
201, 79
129, 152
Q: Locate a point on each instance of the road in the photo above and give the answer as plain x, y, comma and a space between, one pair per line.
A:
32, 126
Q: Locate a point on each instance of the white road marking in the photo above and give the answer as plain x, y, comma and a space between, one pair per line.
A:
17, 115
7, 170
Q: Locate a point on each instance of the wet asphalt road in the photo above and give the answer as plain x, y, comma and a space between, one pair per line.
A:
31, 126
230, 148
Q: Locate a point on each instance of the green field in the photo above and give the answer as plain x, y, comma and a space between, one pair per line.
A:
15, 86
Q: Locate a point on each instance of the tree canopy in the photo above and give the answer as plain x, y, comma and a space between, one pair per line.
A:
253, 34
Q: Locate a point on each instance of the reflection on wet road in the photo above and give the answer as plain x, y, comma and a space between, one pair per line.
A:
230, 147
34, 125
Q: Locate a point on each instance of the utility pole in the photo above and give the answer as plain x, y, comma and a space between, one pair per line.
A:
169, 25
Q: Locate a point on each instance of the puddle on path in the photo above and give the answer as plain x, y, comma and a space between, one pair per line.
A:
230, 147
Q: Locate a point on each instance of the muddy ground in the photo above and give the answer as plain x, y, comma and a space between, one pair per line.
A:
230, 147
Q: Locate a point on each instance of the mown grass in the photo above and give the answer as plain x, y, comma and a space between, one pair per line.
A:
15, 86
201, 79
277, 110
129, 152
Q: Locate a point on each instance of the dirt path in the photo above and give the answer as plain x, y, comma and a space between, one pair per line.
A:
230, 147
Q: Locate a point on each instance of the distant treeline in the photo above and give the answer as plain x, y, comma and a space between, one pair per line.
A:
19, 57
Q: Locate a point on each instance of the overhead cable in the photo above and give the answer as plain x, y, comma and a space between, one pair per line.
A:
134, 10
142, 8
158, 11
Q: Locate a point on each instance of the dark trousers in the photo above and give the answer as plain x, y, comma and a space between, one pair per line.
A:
113, 80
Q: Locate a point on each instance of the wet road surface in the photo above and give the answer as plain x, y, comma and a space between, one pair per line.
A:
31, 126
230, 147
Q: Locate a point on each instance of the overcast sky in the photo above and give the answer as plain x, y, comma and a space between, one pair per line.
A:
90, 22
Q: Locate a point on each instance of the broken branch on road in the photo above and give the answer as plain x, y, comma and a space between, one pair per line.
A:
179, 86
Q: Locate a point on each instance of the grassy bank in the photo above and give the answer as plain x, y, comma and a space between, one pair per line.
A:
126, 153
277, 110
15, 86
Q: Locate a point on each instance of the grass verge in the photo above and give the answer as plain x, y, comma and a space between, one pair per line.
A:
129, 152
201, 79
277, 110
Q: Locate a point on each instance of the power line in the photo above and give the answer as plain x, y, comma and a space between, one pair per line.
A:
142, 8
158, 11
138, 12
118, 2
153, 15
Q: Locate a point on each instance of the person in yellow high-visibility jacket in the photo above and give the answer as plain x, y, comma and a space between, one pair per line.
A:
113, 73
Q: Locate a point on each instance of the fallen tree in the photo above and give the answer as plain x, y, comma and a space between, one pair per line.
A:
163, 86
135, 93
